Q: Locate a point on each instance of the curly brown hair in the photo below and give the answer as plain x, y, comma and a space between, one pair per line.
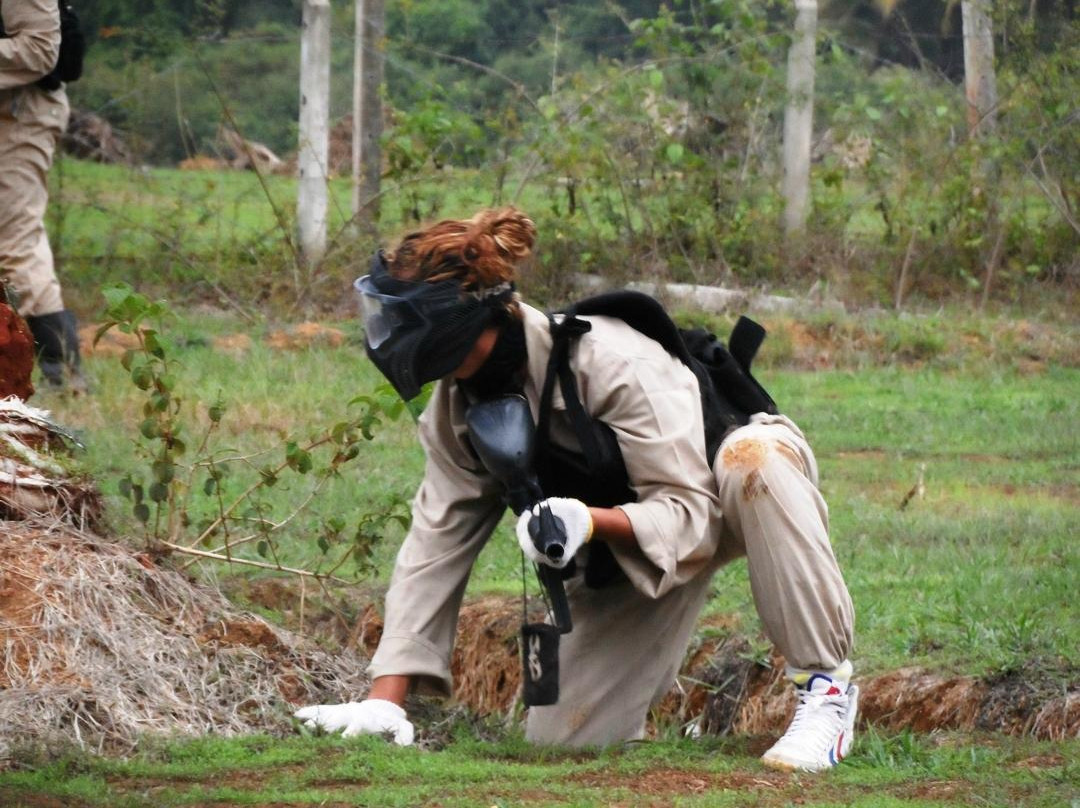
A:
482, 251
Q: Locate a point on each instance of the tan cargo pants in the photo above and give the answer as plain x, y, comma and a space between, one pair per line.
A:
31, 122
626, 649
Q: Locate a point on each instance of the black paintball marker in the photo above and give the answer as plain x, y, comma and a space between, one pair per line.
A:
501, 431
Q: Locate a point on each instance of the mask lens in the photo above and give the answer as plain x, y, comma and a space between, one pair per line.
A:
378, 320
382, 314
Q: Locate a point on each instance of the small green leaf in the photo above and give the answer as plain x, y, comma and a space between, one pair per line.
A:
153, 344
210, 486
324, 545
101, 329
158, 492
873, 113
116, 295
297, 458
142, 376
142, 512
217, 410
674, 152
262, 548
163, 471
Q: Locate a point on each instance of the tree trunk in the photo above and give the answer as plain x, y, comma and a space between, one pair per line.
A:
799, 117
367, 113
980, 81
311, 203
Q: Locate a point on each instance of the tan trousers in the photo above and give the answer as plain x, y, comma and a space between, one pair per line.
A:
31, 122
626, 649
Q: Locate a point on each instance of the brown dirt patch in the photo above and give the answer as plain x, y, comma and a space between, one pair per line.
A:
232, 344
916, 699
112, 343
678, 782
304, 336
17, 798
202, 162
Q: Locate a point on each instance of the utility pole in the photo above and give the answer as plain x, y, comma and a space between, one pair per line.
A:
367, 113
311, 202
799, 117
980, 88
980, 80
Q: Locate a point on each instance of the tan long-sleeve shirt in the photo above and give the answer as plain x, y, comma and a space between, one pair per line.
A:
650, 400
32, 43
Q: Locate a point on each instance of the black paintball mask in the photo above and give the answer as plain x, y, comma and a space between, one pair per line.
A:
415, 331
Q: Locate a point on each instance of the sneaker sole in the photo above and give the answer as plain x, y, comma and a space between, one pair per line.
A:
785, 766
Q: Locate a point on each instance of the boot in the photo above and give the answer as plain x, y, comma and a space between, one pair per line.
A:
57, 344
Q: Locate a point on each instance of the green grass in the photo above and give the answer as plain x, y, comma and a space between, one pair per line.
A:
903, 769
977, 576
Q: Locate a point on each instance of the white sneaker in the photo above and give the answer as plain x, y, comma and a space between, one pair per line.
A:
822, 730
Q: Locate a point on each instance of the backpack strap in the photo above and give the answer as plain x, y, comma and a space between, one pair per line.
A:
598, 475
558, 366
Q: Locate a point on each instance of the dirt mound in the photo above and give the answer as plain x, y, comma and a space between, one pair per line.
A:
722, 689
91, 137
103, 644
16, 354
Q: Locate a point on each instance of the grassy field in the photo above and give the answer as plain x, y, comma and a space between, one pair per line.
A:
887, 772
976, 576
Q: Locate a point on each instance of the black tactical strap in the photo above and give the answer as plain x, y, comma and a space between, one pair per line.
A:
561, 335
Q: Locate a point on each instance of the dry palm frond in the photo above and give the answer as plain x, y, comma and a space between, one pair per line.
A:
35, 476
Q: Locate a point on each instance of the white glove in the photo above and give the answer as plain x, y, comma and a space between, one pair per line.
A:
368, 717
576, 520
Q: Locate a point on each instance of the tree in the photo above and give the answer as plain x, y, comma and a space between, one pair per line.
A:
367, 112
980, 81
799, 117
311, 203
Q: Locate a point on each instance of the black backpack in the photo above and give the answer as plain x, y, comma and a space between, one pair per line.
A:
729, 396
69, 63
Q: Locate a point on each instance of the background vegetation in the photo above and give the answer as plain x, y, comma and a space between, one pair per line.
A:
642, 136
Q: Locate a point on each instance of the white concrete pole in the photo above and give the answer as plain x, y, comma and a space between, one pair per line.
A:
980, 80
367, 113
799, 117
311, 203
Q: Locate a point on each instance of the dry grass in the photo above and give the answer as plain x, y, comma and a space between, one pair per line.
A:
102, 644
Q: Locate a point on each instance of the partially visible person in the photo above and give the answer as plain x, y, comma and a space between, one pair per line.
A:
33, 115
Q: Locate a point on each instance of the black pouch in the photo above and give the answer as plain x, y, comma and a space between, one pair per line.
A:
540, 664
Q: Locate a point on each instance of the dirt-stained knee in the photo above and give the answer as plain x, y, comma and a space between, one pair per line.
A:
747, 457
744, 455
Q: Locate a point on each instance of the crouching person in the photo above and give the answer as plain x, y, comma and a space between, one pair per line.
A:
645, 533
